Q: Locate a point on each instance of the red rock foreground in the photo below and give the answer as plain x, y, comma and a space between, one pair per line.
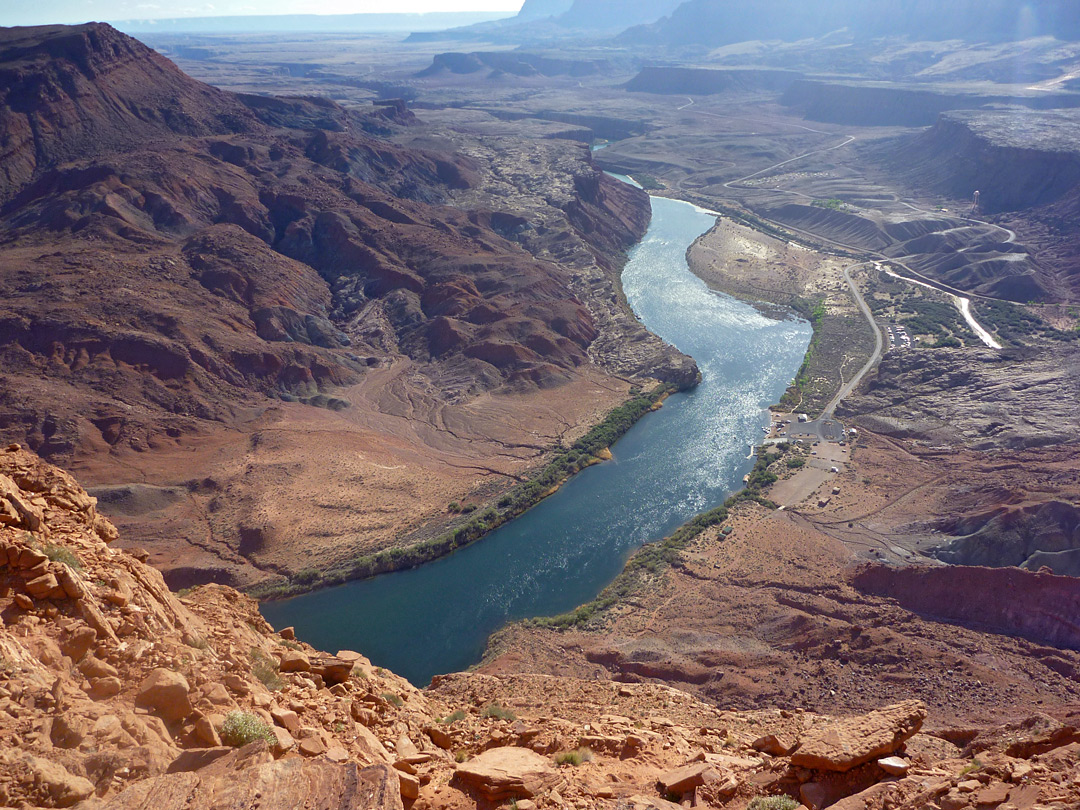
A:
116, 693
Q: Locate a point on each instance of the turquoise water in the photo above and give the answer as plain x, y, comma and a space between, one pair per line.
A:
676, 462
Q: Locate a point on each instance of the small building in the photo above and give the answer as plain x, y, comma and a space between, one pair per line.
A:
802, 417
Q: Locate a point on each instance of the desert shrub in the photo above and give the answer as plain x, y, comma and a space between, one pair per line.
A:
796, 461
451, 718
974, 765
306, 576
499, 713
772, 803
573, 758
241, 728
265, 669
394, 700
62, 554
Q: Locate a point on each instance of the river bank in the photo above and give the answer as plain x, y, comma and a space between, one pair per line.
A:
677, 463
592, 448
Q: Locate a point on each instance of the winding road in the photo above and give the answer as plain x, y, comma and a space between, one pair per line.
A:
960, 298
879, 345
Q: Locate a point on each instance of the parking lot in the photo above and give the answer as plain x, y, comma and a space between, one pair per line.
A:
897, 336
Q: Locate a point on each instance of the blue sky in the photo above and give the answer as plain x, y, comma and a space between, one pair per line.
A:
41, 12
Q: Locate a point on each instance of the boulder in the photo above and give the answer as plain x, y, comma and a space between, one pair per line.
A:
777, 745
166, 693
287, 719
63, 787
93, 667
842, 744
195, 759
291, 782
509, 772
107, 687
332, 670
41, 587
894, 766
312, 747
440, 737
410, 786
206, 733
79, 643
684, 779
294, 661
283, 741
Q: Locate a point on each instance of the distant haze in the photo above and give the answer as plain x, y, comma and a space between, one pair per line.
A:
45, 12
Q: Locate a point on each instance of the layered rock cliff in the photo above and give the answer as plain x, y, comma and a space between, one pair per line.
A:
1015, 159
711, 23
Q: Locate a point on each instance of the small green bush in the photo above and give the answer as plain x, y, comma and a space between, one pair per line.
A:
772, 803
452, 718
241, 728
974, 765
265, 669
573, 758
499, 713
796, 461
63, 555
393, 699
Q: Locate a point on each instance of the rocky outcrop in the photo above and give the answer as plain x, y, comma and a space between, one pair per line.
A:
711, 23
1030, 536
700, 82
904, 105
843, 744
201, 713
1033, 605
516, 63
1013, 161
250, 776
981, 399
509, 773
75, 92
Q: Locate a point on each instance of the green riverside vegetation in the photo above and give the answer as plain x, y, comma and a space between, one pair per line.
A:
813, 311
653, 558
566, 462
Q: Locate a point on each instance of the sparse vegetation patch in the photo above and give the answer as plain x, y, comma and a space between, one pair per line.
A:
241, 728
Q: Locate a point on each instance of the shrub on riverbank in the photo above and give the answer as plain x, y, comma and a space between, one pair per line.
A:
653, 558
566, 462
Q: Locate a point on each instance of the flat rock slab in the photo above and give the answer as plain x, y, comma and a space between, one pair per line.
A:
843, 744
687, 778
283, 785
502, 773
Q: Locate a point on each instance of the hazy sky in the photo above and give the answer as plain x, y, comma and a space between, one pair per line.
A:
40, 12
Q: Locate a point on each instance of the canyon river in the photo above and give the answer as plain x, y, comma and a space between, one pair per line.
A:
679, 461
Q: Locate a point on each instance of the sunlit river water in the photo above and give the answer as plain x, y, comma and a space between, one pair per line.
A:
676, 462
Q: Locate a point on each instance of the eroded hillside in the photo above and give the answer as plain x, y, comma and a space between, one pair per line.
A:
213, 300
117, 693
